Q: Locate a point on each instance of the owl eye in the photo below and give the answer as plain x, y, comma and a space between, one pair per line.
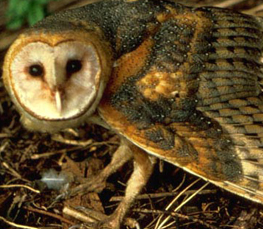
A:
73, 66
36, 70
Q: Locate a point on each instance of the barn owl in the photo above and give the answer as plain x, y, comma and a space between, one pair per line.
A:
178, 83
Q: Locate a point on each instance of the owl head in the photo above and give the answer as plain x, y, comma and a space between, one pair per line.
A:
56, 79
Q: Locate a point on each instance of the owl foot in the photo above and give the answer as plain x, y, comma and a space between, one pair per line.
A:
98, 182
109, 222
97, 220
112, 222
143, 167
93, 184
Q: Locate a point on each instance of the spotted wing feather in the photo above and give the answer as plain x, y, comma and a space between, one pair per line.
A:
190, 94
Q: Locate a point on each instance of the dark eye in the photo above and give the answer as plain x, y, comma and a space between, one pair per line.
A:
36, 70
73, 66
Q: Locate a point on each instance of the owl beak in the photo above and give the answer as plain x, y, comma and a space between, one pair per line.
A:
58, 101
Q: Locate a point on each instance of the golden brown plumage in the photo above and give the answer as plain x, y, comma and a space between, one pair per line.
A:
182, 84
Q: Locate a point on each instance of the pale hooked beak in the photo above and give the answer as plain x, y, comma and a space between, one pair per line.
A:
58, 101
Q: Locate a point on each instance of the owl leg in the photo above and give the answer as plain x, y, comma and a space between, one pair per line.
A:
98, 182
143, 167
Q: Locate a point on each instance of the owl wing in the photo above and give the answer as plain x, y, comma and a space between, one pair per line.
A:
190, 94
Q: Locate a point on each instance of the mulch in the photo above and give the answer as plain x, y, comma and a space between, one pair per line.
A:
27, 157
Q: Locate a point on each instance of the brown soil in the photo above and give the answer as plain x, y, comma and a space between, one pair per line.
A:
26, 156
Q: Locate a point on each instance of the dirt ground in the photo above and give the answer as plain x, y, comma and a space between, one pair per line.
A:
26, 158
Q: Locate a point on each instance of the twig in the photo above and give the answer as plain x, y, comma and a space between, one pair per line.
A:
59, 138
91, 216
63, 151
13, 172
16, 225
247, 219
2, 147
20, 186
174, 214
228, 3
48, 154
173, 201
255, 10
49, 214
78, 215
164, 194
5, 135
182, 204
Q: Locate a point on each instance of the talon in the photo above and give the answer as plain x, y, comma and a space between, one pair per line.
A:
63, 196
76, 226
96, 220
